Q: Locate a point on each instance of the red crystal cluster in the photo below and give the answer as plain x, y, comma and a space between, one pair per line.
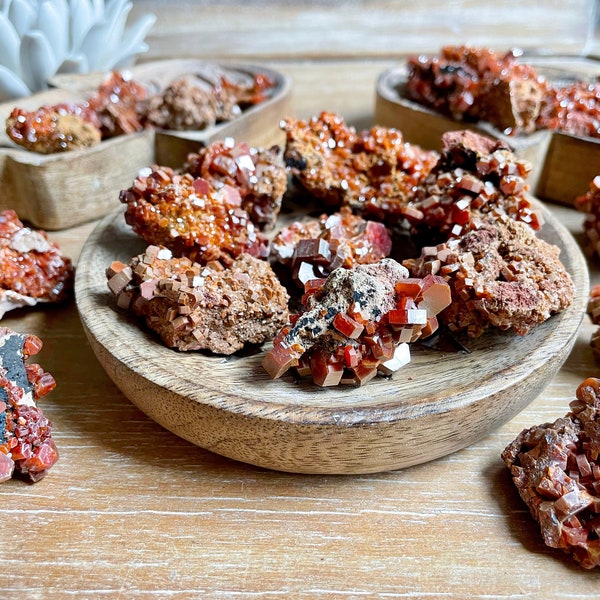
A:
374, 172
314, 248
116, 103
556, 470
475, 176
593, 310
111, 111
26, 443
195, 307
573, 109
258, 174
589, 203
476, 84
356, 323
190, 216
32, 269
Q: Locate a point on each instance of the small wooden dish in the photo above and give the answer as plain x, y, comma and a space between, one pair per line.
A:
58, 191
562, 165
438, 404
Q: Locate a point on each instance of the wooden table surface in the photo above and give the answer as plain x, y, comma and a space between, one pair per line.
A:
132, 511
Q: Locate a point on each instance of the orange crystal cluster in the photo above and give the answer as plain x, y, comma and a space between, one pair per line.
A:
258, 174
476, 84
593, 310
196, 307
32, 268
190, 216
573, 109
110, 112
26, 443
374, 172
357, 323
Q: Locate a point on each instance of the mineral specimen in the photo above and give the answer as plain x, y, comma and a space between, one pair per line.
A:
474, 176
589, 203
195, 307
356, 323
190, 217
193, 102
314, 248
258, 174
556, 471
32, 269
593, 310
501, 275
26, 444
573, 109
373, 172
51, 129
476, 84
116, 105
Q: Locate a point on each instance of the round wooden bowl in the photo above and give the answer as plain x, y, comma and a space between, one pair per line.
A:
439, 403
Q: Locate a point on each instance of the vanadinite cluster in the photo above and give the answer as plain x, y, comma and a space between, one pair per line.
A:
358, 322
26, 444
32, 268
374, 172
201, 307
474, 207
589, 203
476, 84
556, 468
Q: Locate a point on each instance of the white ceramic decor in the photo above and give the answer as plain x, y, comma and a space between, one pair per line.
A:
42, 38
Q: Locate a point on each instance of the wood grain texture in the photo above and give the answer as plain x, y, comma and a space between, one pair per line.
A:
562, 165
437, 405
62, 190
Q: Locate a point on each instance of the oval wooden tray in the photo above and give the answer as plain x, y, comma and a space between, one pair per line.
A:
58, 191
563, 165
438, 404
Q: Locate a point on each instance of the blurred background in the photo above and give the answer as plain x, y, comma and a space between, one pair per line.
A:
372, 29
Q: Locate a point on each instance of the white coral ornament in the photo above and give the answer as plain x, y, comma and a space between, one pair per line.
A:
41, 38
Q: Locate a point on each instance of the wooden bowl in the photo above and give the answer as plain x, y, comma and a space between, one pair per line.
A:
441, 402
62, 190
563, 165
